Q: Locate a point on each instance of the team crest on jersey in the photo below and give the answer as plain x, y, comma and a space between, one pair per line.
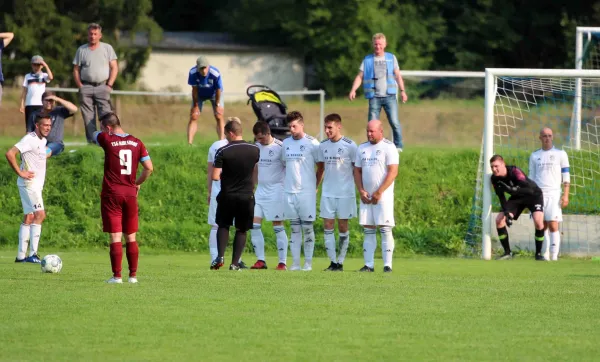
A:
340, 151
302, 148
378, 152
271, 153
551, 157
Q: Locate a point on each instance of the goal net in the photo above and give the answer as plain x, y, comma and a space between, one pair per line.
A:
518, 104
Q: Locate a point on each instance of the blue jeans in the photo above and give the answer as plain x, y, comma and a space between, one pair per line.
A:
390, 106
56, 148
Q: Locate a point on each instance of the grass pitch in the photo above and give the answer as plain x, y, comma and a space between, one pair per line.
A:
427, 309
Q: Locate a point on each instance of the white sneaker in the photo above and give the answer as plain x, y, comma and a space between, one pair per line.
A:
307, 268
132, 280
294, 267
114, 280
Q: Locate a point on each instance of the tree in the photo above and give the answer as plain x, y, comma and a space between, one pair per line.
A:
55, 29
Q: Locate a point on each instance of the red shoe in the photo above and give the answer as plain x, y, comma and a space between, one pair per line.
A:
260, 264
281, 266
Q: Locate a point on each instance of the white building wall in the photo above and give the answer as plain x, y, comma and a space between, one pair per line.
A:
168, 71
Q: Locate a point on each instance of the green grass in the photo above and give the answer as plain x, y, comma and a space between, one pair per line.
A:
427, 309
433, 201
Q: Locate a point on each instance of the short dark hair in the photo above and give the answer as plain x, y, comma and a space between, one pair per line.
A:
262, 128
40, 117
110, 119
294, 116
94, 26
233, 127
496, 158
333, 117
47, 94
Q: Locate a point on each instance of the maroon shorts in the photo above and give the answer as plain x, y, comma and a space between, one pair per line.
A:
119, 214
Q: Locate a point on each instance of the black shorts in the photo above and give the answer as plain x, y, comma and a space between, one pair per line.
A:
516, 206
238, 207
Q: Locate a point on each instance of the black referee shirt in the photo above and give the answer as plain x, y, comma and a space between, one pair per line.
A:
237, 160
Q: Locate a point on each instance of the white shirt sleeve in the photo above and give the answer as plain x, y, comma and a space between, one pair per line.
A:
25, 80
393, 157
315, 150
362, 66
321, 157
564, 167
45, 78
357, 159
25, 144
396, 66
353, 148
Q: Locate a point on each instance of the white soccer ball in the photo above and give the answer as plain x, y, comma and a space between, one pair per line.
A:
51, 264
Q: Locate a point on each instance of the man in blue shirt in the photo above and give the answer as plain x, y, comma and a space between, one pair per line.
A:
5, 39
206, 86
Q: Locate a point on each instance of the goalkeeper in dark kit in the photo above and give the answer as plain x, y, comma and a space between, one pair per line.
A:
524, 193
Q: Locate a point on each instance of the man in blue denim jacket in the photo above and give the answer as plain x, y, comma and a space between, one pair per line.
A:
382, 82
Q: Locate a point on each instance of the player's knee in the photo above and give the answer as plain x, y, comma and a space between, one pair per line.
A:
329, 223
296, 226
28, 219
343, 226
39, 216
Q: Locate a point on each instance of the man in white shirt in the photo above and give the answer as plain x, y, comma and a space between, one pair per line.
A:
338, 196
375, 169
300, 154
549, 168
213, 188
268, 197
32, 174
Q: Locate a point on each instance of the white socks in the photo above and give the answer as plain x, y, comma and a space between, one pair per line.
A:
35, 233
387, 245
369, 246
296, 242
309, 243
212, 243
24, 232
344, 242
554, 245
258, 241
282, 243
329, 237
546, 245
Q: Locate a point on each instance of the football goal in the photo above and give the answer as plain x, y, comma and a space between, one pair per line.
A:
518, 104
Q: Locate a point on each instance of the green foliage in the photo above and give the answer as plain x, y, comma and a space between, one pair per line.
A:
432, 202
55, 29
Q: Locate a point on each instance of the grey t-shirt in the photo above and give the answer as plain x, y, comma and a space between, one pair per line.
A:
94, 64
380, 69
58, 116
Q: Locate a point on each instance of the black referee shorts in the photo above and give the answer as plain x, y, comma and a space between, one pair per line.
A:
238, 207
516, 205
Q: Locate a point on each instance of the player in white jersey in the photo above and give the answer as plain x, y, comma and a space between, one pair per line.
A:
300, 154
213, 188
32, 174
549, 168
375, 169
268, 197
338, 195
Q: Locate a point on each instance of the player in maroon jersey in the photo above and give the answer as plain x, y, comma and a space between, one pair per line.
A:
119, 207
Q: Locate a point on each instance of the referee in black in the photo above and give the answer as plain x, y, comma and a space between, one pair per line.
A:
234, 166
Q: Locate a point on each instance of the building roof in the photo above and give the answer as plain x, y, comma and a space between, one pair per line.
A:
187, 40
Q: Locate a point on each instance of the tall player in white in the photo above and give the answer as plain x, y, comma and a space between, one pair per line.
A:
32, 174
549, 168
375, 169
338, 196
300, 153
268, 197
213, 188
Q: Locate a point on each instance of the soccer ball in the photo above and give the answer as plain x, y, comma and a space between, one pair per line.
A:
51, 264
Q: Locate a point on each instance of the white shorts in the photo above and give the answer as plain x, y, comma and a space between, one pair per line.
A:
380, 214
31, 199
271, 209
300, 206
340, 208
212, 211
552, 210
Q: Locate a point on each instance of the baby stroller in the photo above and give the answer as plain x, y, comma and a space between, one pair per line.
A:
268, 107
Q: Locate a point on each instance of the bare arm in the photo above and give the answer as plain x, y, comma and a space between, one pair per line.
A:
50, 75
114, 70
11, 157
255, 175
320, 172
23, 95
400, 82
65, 103
146, 172
216, 174
7, 38
364, 195
194, 96
357, 82
217, 96
392, 172
76, 77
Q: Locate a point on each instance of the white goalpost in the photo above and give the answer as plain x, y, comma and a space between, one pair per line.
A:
518, 103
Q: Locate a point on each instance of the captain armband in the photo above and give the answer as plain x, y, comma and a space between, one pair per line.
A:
566, 176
